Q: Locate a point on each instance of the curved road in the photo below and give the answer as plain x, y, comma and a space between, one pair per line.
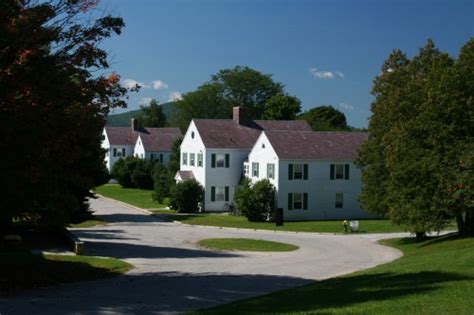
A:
173, 275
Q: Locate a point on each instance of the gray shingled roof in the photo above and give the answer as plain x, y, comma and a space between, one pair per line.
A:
316, 145
227, 134
154, 139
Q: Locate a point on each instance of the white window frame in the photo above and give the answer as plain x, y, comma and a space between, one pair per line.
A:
301, 167
255, 169
192, 159
185, 158
220, 193
271, 170
199, 159
220, 158
246, 169
300, 202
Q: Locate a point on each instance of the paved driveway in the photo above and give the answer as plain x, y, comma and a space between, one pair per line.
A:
173, 275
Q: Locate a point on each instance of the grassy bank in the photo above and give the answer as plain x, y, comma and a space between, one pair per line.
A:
136, 197
222, 220
433, 277
23, 270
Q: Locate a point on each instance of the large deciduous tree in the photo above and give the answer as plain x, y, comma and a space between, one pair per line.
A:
152, 115
325, 118
52, 104
239, 86
417, 163
282, 107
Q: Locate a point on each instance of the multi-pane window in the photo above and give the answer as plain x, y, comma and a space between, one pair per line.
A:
115, 152
199, 160
152, 156
191, 159
297, 171
246, 169
297, 201
161, 157
220, 160
255, 169
220, 193
339, 202
339, 171
123, 152
270, 170
185, 158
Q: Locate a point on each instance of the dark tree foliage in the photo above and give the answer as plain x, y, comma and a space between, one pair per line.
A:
418, 162
256, 201
282, 107
52, 104
186, 195
239, 86
161, 183
152, 115
325, 118
133, 172
174, 162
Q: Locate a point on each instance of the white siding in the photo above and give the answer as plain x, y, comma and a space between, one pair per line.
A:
193, 145
110, 159
321, 192
222, 176
263, 154
139, 150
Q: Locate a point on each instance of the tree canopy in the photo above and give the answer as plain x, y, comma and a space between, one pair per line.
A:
152, 115
239, 86
52, 107
418, 162
325, 118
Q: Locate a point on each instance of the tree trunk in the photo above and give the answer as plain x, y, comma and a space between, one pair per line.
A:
420, 235
460, 223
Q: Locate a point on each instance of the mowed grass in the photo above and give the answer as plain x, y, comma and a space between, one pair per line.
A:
245, 244
23, 270
433, 277
222, 220
136, 197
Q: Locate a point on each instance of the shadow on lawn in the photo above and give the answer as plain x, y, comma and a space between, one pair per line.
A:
102, 234
21, 270
345, 291
129, 218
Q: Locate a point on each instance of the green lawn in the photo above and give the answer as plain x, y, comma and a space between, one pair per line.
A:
434, 277
22, 270
245, 244
136, 197
222, 220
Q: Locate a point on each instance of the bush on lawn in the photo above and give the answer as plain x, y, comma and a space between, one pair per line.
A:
256, 201
133, 172
161, 182
186, 195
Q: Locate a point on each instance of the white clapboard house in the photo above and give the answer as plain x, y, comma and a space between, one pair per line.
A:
145, 143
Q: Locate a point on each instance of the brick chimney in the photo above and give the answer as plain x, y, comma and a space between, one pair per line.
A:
238, 114
134, 124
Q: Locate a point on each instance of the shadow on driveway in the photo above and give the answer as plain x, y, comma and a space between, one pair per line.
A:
147, 293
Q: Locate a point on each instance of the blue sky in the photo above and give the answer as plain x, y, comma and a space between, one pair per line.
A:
324, 52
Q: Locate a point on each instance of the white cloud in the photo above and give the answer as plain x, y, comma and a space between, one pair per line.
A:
318, 74
346, 106
130, 83
145, 100
175, 96
159, 85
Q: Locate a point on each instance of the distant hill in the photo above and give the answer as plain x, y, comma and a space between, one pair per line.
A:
123, 119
